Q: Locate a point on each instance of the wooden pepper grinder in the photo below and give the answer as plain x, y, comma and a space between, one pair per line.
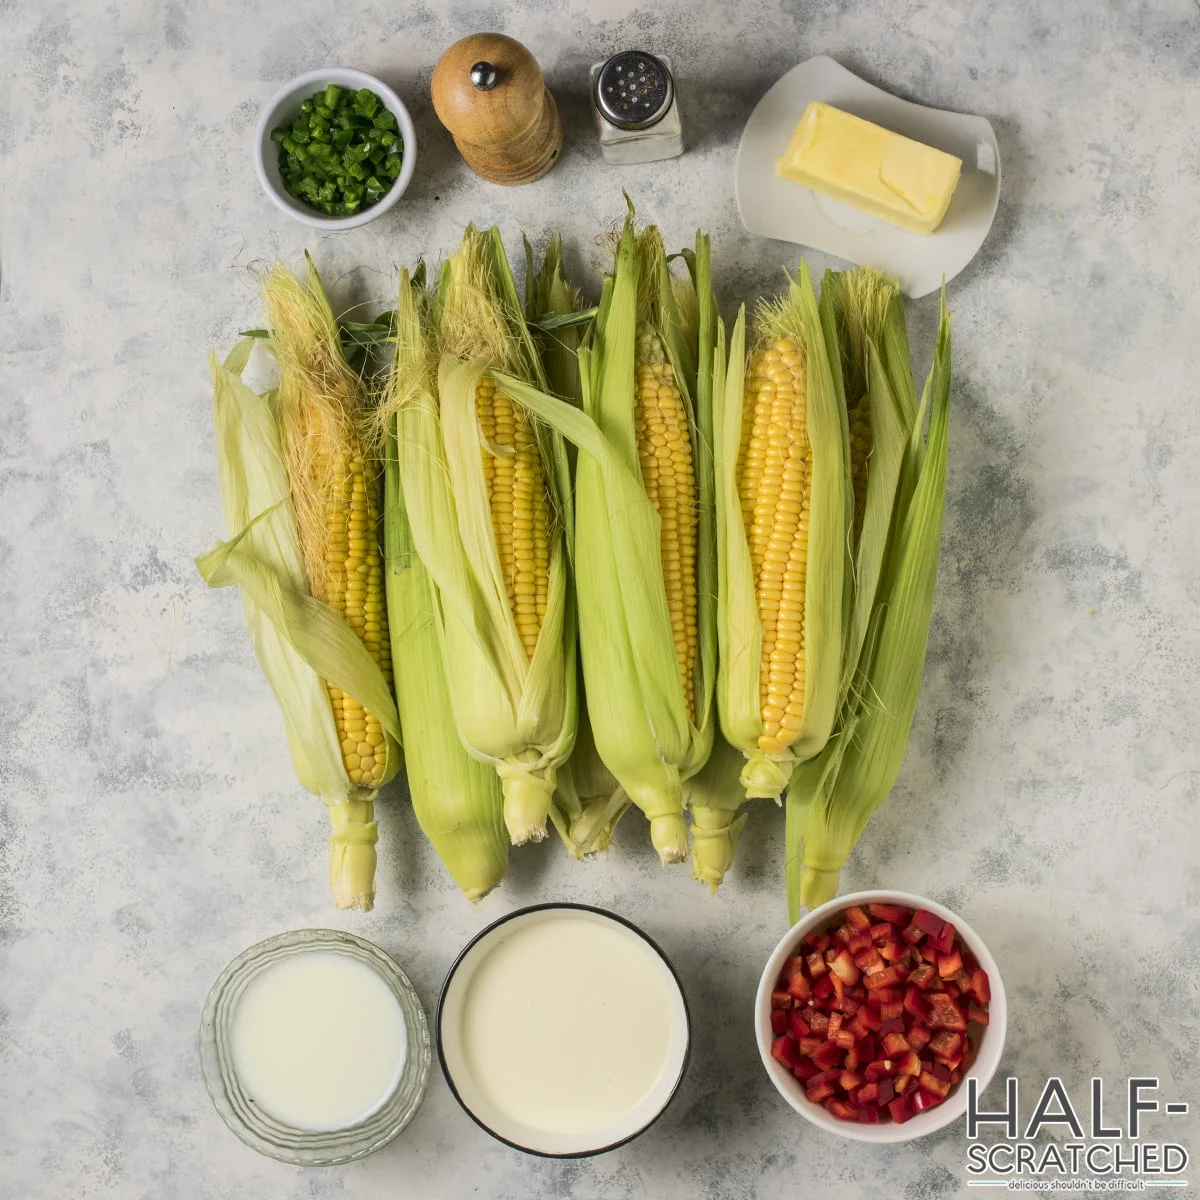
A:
489, 93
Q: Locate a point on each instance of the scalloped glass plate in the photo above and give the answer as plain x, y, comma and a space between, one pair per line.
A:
778, 208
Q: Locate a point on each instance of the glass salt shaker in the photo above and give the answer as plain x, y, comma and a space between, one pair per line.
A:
633, 101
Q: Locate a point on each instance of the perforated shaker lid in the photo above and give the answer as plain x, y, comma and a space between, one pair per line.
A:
634, 90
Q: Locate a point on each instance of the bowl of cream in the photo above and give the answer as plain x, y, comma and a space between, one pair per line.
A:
563, 1030
314, 1047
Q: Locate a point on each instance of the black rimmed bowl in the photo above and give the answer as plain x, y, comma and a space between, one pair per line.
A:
479, 1068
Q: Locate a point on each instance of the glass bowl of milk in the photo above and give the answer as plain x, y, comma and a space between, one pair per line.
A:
314, 1047
563, 1030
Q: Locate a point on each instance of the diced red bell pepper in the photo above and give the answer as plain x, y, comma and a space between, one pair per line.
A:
941, 1071
790, 967
865, 1048
805, 1070
797, 1025
915, 1004
835, 1023
860, 940
829, 1055
848, 1081
785, 1051
931, 1083
819, 1091
923, 976
880, 1069
867, 1094
869, 960
950, 988
980, 988
816, 964
843, 967
977, 1014
921, 1099
822, 989
849, 1006
945, 1044
870, 1015
892, 1010
887, 1091
903, 1082
944, 941
881, 931
841, 1110
818, 1021
931, 924
918, 1035
895, 1044
810, 1045
899, 1110
818, 941
949, 964
890, 951
882, 995
888, 977
780, 999
798, 987
892, 1025
908, 1064
857, 917
868, 1114
912, 934
842, 934
946, 1012
779, 1021
895, 913
857, 1025
844, 1038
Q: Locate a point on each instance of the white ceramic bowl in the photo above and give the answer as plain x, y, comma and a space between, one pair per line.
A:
474, 1094
990, 1046
282, 108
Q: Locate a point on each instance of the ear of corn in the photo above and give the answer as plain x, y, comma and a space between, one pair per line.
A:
832, 797
307, 648
647, 642
487, 494
457, 800
782, 528
649, 695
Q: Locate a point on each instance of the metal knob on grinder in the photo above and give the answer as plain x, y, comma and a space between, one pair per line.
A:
488, 91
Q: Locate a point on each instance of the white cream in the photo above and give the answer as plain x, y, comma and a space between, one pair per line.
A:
565, 1031
318, 1040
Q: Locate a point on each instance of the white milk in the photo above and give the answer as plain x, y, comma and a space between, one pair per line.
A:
318, 1040
567, 1027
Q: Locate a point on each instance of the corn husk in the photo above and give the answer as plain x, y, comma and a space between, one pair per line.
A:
301, 644
514, 712
833, 796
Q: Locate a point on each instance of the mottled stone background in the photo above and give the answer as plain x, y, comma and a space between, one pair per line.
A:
150, 827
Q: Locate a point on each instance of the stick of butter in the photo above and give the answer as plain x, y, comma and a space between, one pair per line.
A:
863, 165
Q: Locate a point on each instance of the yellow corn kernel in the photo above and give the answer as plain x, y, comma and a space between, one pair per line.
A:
668, 474
512, 467
774, 476
860, 453
352, 584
